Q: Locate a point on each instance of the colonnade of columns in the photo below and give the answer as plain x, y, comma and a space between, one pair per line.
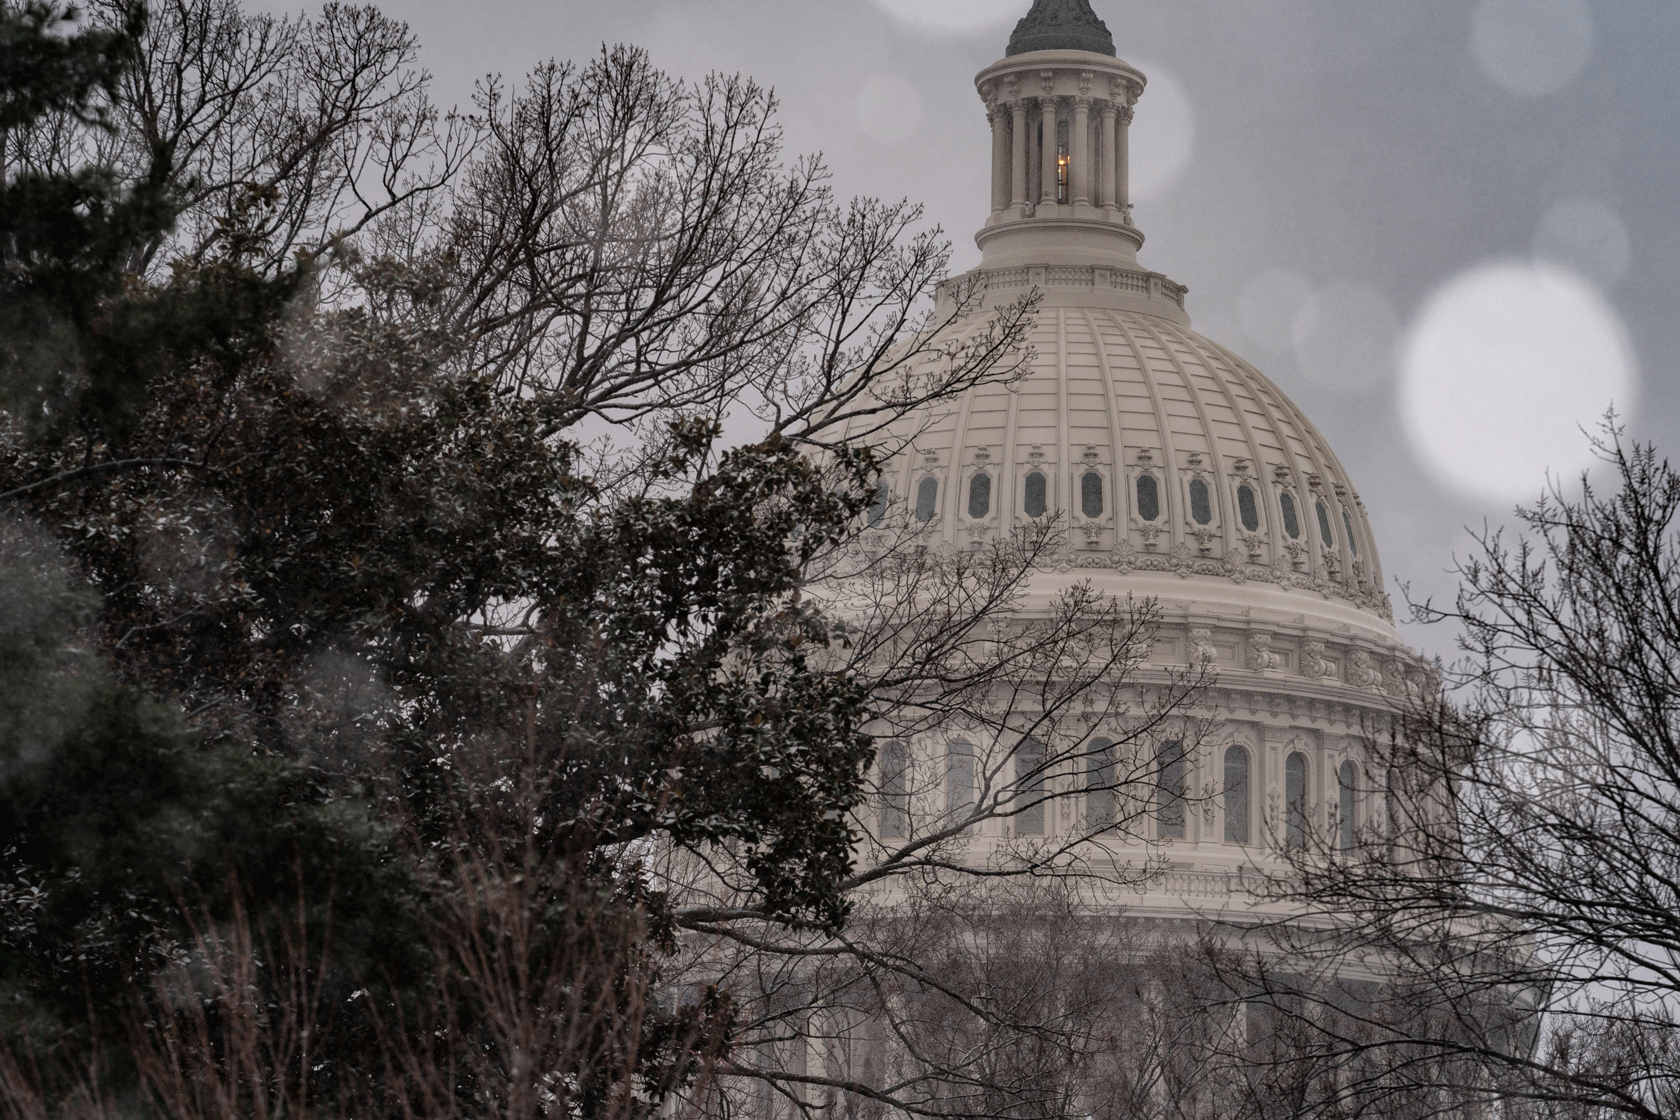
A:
1027, 127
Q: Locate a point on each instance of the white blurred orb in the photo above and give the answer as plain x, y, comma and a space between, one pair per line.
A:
888, 109
1587, 236
1504, 369
1268, 306
1531, 46
953, 17
1345, 336
1163, 132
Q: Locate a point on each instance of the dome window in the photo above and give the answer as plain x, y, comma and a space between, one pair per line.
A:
1295, 800
1291, 523
927, 496
1324, 524
1099, 786
1091, 494
1169, 791
1353, 541
1247, 510
959, 778
1236, 795
1347, 779
878, 507
1036, 498
979, 496
1201, 504
895, 790
1148, 498
1029, 788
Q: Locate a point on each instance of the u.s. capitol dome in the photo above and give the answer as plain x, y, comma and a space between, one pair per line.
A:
1181, 473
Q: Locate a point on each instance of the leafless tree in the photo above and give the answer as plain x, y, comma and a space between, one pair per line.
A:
1519, 903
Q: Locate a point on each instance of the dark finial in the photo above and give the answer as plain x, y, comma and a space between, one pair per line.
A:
1061, 25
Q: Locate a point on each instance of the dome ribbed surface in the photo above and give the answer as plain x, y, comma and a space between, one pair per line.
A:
1061, 25
1121, 394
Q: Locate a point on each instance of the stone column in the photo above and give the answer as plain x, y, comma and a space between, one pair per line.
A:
1047, 189
1000, 156
1018, 156
1105, 180
1079, 152
1122, 167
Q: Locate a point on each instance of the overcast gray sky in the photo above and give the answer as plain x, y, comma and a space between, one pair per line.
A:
1356, 192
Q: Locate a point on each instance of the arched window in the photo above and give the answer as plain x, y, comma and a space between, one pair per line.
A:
878, 507
1099, 786
1291, 523
1029, 788
1201, 504
1391, 805
1248, 511
895, 790
959, 778
927, 496
1148, 498
980, 495
1324, 524
1036, 499
1295, 800
1169, 791
1091, 494
1236, 795
1353, 541
1347, 780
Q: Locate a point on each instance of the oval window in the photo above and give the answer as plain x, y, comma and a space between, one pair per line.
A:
1291, 524
878, 507
1353, 541
1148, 498
1036, 501
927, 495
979, 496
1201, 509
1324, 524
1091, 494
1247, 510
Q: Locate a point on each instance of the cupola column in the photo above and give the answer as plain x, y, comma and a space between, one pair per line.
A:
1122, 169
1048, 168
1018, 156
1079, 182
1105, 181
1000, 156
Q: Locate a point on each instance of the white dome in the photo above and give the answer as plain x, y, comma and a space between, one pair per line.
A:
1164, 451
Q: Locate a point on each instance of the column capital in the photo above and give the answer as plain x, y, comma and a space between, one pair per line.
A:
1082, 103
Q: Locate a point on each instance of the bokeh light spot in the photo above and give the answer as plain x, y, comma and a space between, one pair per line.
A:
1268, 305
889, 109
1163, 132
1501, 371
1586, 236
1345, 337
1531, 46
